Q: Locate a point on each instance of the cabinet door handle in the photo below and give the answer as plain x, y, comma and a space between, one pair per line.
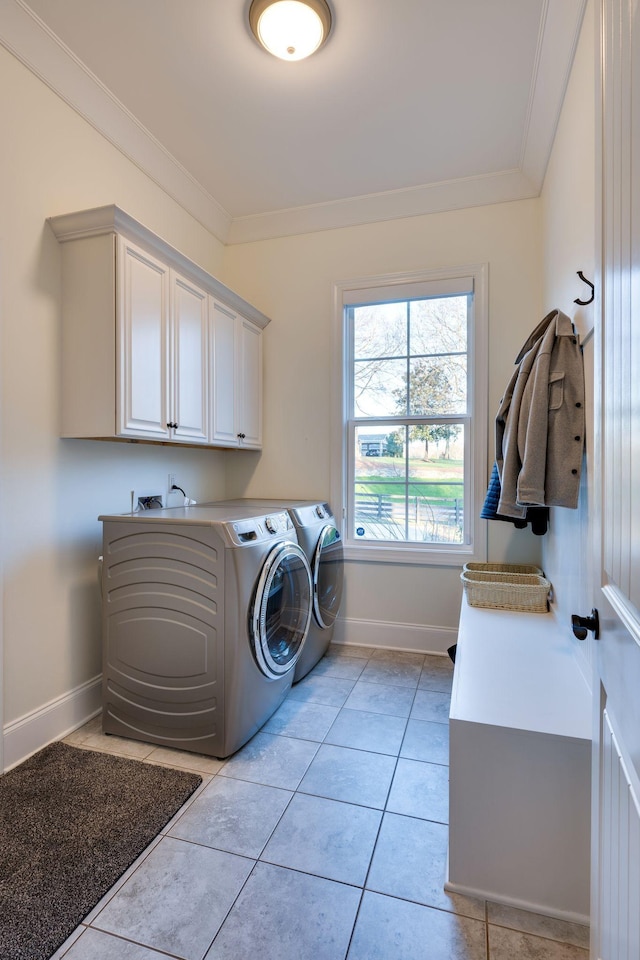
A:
174, 426
242, 435
580, 625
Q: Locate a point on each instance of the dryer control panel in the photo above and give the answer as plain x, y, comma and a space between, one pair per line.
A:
259, 529
305, 515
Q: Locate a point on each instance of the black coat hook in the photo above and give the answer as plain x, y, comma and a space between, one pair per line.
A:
583, 303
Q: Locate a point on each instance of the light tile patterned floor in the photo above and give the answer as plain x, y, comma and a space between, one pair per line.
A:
324, 838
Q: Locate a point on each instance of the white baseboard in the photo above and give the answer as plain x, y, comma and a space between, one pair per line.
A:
541, 908
59, 717
412, 637
53, 721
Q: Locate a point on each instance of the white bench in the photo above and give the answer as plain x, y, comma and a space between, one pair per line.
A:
520, 765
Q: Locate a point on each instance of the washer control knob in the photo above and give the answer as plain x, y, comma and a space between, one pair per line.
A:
271, 525
320, 510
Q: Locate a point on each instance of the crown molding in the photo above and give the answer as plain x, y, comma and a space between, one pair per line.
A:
560, 26
24, 35
390, 205
30, 40
112, 219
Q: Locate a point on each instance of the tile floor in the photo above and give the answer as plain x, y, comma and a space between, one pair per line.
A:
325, 837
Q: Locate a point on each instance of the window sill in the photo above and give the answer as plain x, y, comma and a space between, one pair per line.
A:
410, 554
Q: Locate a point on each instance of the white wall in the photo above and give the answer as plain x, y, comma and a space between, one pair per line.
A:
53, 162
52, 490
292, 279
569, 244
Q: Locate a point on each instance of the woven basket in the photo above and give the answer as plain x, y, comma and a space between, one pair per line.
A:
503, 568
526, 592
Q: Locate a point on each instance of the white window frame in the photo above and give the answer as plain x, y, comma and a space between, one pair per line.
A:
405, 286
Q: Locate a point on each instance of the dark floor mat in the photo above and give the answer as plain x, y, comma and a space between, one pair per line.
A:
71, 822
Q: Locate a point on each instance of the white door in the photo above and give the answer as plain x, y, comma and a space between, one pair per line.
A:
142, 344
189, 333
616, 773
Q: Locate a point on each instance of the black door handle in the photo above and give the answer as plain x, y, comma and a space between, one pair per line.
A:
582, 625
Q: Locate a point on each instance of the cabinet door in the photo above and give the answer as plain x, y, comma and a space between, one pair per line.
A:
189, 395
224, 372
236, 388
142, 344
250, 384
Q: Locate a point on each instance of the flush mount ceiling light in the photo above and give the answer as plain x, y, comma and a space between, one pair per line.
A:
290, 29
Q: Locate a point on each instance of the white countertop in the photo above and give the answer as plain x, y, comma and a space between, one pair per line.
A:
518, 670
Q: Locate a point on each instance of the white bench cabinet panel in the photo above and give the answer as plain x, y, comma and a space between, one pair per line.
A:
520, 765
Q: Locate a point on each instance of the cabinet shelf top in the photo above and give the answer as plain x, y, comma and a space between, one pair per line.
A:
111, 219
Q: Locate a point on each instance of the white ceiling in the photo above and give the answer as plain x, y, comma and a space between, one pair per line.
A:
412, 106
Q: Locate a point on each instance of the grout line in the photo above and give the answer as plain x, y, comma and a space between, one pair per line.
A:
235, 900
121, 939
207, 778
355, 922
538, 935
486, 930
105, 900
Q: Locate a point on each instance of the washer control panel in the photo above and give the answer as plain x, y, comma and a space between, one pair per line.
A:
255, 529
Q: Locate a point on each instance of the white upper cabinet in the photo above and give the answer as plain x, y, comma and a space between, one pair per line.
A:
190, 368
224, 415
236, 401
250, 384
142, 345
153, 347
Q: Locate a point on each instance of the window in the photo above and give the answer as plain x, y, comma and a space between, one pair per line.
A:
414, 416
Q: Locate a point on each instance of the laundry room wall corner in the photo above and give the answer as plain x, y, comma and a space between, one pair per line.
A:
569, 236
292, 279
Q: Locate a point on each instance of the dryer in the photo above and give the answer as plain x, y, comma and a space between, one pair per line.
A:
205, 612
320, 539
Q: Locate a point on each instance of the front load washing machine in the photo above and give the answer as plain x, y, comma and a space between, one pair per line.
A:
320, 539
205, 611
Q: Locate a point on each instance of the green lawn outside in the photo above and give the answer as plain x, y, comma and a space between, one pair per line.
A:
435, 493
425, 489
438, 479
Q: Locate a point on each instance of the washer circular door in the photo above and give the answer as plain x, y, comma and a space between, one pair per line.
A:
281, 609
328, 573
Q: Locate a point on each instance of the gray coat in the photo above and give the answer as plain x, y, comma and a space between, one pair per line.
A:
540, 422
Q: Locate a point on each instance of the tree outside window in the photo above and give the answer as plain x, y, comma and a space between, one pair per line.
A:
410, 366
